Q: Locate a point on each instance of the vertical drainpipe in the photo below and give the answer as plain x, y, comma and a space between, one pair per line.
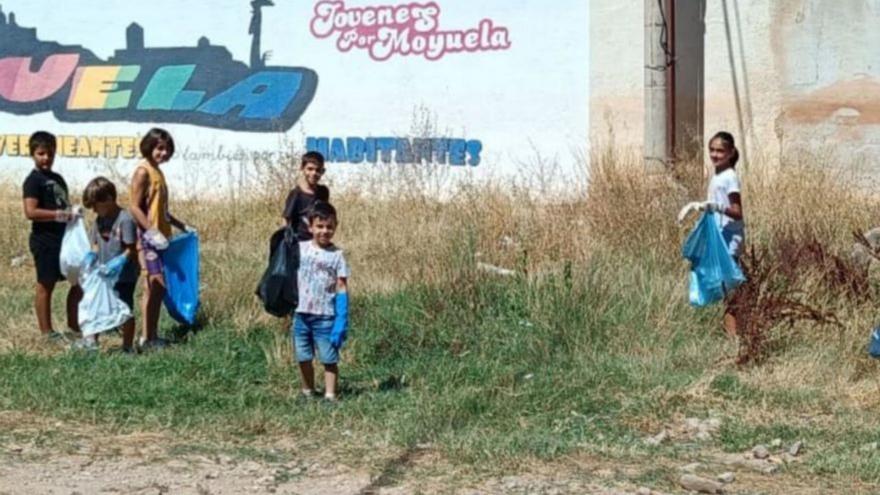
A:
670, 83
656, 133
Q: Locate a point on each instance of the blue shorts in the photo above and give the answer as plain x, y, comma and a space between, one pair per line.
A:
311, 332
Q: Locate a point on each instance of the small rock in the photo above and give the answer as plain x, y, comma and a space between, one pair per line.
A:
213, 475
703, 435
604, 473
644, 491
701, 485
776, 443
727, 478
693, 424
266, 480
658, 438
16, 449
510, 482
18, 261
760, 452
869, 447
795, 449
691, 468
712, 424
770, 469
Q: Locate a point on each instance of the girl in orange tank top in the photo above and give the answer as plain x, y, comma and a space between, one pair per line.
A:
149, 207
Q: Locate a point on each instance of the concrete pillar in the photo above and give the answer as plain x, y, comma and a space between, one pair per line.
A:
657, 105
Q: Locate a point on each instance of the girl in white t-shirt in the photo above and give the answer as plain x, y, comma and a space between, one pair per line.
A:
724, 198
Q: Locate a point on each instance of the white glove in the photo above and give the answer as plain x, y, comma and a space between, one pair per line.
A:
712, 207
688, 208
155, 238
62, 216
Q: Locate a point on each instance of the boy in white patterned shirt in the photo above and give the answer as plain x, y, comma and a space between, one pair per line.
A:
321, 320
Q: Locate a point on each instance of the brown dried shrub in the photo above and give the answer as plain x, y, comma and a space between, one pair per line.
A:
784, 281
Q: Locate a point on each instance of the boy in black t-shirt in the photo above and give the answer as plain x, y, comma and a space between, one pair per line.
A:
46, 205
304, 195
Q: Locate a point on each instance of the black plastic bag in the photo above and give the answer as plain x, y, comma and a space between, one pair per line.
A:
277, 289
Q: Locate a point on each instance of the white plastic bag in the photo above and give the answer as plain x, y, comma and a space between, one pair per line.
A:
100, 309
74, 248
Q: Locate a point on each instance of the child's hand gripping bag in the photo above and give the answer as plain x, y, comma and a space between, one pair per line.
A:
181, 261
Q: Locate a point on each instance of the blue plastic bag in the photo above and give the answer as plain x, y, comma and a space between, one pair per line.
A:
714, 273
181, 261
874, 344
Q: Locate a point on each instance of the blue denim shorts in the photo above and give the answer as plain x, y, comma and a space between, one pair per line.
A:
310, 333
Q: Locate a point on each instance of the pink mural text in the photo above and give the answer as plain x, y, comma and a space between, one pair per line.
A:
406, 29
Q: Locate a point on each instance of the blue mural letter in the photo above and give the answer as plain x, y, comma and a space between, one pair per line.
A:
474, 149
385, 145
264, 95
337, 151
457, 151
166, 90
355, 147
440, 148
321, 145
422, 150
404, 151
372, 155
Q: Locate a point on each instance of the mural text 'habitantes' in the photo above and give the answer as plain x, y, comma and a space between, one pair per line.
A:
200, 85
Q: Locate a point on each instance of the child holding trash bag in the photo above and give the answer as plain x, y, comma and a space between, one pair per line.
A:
46, 205
113, 238
321, 320
724, 199
149, 207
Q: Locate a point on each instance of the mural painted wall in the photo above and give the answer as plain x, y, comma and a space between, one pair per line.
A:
235, 80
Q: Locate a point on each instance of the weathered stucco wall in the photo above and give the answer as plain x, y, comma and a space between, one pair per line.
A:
806, 72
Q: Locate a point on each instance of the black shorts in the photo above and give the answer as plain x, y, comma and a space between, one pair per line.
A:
125, 291
47, 256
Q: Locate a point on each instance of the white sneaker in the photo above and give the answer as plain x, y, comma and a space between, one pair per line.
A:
88, 344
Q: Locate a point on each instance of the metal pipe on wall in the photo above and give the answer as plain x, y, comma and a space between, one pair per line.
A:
659, 112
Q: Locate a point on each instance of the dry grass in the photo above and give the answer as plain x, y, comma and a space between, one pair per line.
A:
397, 232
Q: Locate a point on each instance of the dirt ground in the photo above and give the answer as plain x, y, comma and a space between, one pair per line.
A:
43, 456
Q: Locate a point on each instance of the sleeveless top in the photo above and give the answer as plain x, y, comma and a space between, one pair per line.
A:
157, 200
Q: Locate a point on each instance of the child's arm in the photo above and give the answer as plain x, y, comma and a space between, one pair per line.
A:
140, 184
177, 223
735, 211
35, 214
130, 252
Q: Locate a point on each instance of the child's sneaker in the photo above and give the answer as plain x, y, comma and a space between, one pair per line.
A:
156, 344
56, 337
85, 344
306, 396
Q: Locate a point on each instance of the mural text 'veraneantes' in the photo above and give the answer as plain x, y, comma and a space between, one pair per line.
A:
407, 29
76, 146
